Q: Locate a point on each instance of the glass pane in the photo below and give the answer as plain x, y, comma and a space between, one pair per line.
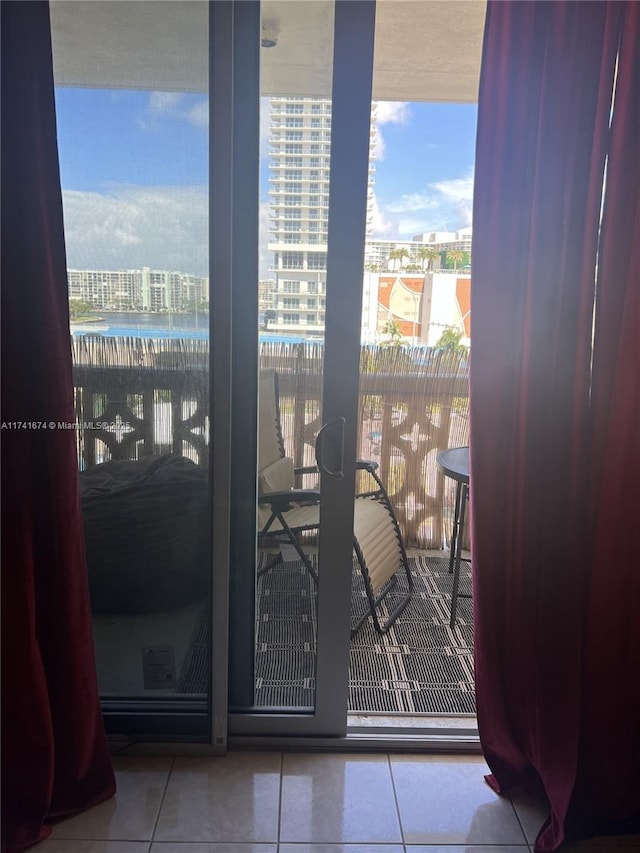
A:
414, 403
295, 164
134, 168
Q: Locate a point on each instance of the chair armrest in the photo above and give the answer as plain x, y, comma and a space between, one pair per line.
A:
306, 469
361, 465
282, 499
366, 465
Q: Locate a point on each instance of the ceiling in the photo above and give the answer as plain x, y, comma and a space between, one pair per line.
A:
425, 50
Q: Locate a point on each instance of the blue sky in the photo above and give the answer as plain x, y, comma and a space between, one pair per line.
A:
134, 169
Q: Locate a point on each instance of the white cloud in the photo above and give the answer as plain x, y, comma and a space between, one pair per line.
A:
409, 226
126, 238
444, 205
379, 147
388, 112
414, 201
172, 105
456, 188
459, 194
131, 226
163, 102
382, 226
393, 112
199, 114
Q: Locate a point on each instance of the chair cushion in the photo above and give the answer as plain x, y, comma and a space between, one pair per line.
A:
269, 442
375, 533
276, 477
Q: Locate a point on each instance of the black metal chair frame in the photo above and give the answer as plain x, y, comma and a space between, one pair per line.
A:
282, 502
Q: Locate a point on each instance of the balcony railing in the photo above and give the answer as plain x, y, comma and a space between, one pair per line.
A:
137, 397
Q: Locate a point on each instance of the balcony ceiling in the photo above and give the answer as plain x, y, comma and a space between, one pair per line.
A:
426, 50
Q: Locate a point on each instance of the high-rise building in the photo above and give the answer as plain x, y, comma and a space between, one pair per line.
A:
300, 156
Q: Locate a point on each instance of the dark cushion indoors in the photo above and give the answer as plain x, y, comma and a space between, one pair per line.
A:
147, 529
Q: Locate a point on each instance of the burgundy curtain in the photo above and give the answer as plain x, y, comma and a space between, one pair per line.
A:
555, 453
610, 732
55, 756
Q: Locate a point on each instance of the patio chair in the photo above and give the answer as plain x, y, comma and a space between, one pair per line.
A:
287, 513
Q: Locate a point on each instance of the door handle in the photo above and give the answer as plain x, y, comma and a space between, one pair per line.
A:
335, 440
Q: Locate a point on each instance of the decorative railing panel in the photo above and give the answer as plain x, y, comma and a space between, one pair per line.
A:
135, 398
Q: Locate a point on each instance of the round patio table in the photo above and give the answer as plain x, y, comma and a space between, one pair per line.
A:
454, 463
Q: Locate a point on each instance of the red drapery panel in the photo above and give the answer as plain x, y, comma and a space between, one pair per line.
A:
610, 742
55, 756
539, 572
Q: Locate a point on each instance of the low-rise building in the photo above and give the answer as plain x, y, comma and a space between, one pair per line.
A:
139, 290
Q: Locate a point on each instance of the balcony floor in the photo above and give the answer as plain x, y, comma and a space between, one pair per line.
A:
421, 666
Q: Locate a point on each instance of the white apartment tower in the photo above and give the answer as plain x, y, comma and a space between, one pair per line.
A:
300, 155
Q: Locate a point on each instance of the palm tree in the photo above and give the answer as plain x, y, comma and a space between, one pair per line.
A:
398, 255
455, 255
428, 254
394, 255
402, 255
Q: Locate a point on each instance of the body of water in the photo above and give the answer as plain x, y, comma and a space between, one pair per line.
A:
159, 326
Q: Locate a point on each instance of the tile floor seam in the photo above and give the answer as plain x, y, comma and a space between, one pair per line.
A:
280, 802
162, 799
395, 799
520, 824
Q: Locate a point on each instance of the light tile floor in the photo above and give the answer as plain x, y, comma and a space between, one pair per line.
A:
272, 802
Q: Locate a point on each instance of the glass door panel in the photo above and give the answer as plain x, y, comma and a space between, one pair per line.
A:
133, 144
275, 669
414, 386
293, 679
295, 188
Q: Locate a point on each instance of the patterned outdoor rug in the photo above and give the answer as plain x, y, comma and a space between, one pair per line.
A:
420, 666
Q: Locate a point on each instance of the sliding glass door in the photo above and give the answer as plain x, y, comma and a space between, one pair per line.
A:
214, 161
296, 357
